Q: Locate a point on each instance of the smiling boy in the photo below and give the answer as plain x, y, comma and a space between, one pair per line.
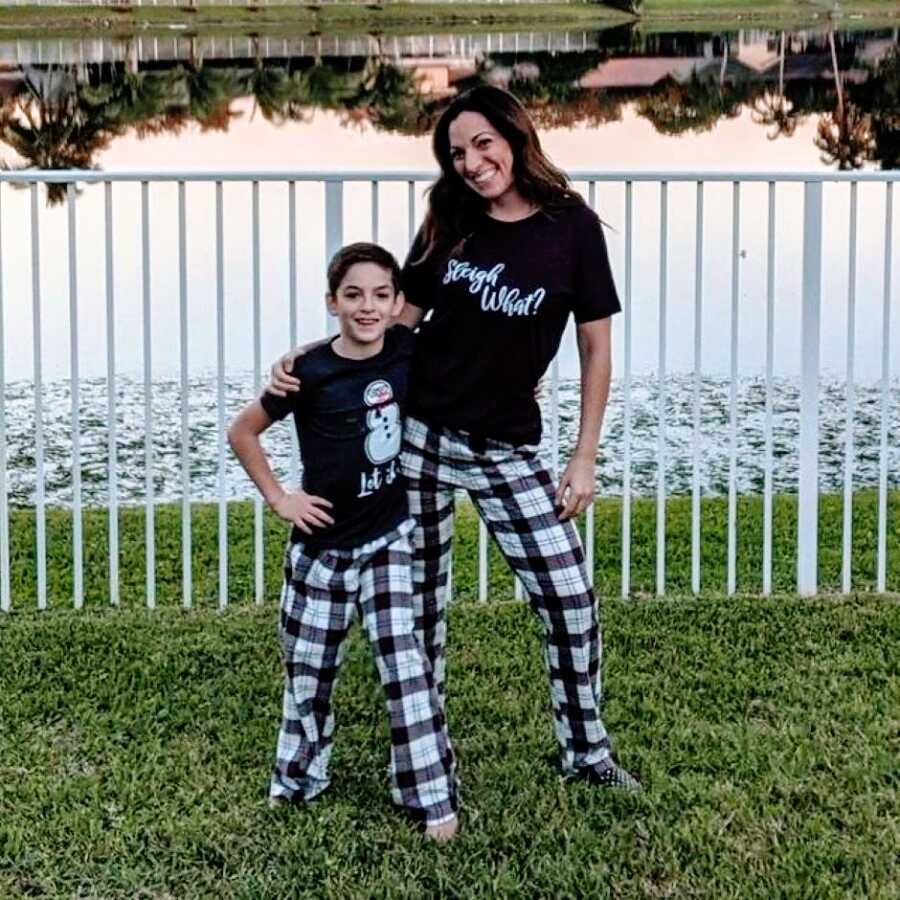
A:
350, 544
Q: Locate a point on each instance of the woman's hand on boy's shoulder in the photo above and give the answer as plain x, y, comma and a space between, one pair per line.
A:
306, 511
281, 381
410, 316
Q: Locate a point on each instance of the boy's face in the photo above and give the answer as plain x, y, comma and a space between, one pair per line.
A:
365, 303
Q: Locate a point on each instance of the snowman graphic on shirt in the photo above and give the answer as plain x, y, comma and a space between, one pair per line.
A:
384, 436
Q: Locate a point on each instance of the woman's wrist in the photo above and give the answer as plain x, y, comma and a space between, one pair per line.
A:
274, 496
585, 455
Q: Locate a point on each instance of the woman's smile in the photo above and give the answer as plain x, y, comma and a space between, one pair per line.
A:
485, 175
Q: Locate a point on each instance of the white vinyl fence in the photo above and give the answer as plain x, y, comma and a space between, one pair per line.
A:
795, 196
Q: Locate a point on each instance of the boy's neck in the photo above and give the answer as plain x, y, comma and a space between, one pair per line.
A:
350, 349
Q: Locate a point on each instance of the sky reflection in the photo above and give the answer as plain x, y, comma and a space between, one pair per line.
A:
610, 101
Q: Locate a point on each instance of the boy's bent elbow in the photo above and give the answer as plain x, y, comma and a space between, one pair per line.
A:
247, 425
237, 437
239, 434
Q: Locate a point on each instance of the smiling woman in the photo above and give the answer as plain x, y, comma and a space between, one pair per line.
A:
482, 158
493, 149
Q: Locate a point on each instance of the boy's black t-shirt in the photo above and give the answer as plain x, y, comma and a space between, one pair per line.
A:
349, 419
498, 311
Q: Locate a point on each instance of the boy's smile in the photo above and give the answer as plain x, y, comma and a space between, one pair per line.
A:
365, 305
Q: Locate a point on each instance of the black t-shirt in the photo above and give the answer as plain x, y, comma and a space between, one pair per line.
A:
499, 309
349, 419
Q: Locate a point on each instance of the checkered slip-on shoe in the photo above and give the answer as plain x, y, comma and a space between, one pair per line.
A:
610, 775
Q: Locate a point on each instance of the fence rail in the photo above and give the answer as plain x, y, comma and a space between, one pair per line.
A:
333, 184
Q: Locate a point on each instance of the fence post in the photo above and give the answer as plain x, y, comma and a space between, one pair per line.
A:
187, 587
37, 343
808, 489
334, 231
222, 505
75, 395
661, 394
5, 581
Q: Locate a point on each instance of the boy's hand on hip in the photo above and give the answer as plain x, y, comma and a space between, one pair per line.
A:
306, 511
576, 488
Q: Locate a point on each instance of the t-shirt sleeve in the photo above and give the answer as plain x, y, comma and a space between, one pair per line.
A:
279, 407
595, 296
416, 277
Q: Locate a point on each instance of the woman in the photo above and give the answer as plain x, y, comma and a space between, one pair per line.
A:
506, 252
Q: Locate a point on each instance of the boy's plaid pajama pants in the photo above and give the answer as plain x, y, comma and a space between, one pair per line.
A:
322, 592
514, 494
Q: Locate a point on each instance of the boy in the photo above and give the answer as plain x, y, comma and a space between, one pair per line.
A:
350, 545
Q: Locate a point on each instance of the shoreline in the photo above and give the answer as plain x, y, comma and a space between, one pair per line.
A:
24, 21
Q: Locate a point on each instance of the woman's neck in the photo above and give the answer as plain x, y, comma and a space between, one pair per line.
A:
510, 207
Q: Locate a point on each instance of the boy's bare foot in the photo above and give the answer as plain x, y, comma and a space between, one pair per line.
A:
444, 832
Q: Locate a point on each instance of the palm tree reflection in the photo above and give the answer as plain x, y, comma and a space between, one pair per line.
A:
881, 95
844, 136
51, 126
774, 109
696, 105
206, 94
389, 98
59, 120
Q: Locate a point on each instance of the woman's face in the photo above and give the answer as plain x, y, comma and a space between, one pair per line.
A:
482, 157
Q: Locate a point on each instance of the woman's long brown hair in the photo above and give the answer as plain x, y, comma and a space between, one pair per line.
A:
453, 207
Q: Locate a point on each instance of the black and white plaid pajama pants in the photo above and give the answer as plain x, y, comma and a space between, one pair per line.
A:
513, 492
323, 590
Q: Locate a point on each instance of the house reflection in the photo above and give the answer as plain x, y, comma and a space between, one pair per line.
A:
59, 114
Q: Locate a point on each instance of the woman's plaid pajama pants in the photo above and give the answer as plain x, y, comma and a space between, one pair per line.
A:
514, 494
322, 592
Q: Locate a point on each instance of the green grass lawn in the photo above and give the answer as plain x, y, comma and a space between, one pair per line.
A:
762, 7
720, 15
608, 559
331, 17
135, 747
399, 17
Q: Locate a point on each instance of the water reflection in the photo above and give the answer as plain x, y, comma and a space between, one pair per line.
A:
61, 114
679, 438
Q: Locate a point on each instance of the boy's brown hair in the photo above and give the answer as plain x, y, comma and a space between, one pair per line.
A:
361, 252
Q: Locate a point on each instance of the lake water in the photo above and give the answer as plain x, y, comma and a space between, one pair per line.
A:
617, 100
203, 438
